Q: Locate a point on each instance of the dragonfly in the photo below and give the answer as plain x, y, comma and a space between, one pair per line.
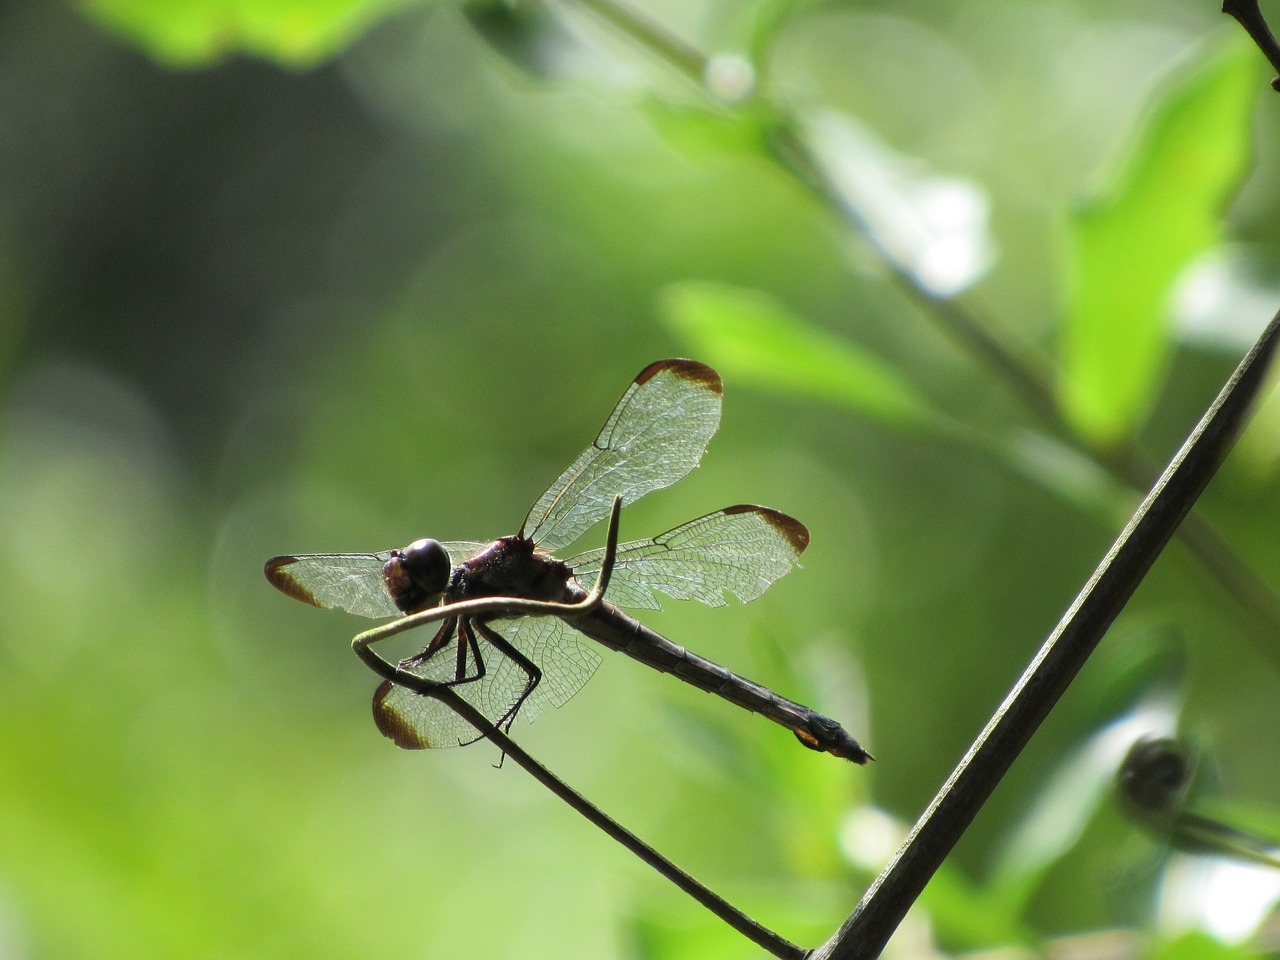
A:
507, 665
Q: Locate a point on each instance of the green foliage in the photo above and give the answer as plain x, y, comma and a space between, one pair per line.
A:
1163, 206
754, 339
701, 132
256, 311
1199, 946
195, 32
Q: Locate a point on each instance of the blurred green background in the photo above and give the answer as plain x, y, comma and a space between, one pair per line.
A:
284, 277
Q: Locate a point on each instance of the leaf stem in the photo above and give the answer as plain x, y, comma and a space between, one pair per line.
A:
653, 36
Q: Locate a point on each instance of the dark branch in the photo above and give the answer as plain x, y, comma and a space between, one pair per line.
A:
757, 933
1250, 17
868, 929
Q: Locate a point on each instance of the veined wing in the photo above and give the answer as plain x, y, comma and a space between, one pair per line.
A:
414, 721
350, 581
741, 550
655, 436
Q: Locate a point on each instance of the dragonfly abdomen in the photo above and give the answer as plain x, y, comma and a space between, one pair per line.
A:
618, 631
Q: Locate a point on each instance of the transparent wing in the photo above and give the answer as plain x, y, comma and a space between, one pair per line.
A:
349, 581
655, 436
567, 660
740, 550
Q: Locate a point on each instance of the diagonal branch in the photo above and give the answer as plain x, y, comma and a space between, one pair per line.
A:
756, 932
868, 929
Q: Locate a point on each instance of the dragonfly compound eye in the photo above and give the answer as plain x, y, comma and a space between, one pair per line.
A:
427, 565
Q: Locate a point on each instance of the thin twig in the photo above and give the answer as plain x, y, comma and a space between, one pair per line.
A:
868, 929
653, 36
1250, 17
756, 932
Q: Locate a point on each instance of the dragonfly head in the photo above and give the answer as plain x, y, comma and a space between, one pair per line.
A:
417, 575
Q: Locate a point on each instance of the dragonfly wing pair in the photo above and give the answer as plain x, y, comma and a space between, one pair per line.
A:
655, 436
740, 550
415, 722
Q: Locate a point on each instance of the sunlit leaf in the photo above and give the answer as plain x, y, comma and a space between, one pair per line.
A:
1199, 946
196, 32
700, 131
1128, 246
752, 338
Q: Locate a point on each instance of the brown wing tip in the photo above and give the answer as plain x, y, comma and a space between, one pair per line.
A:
392, 725
279, 577
690, 370
792, 530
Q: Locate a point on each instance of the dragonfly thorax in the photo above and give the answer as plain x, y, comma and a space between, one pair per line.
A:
416, 576
512, 567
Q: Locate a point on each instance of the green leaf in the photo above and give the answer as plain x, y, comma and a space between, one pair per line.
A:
700, 132
197, 32
752, 338
1128, 246
1195, 945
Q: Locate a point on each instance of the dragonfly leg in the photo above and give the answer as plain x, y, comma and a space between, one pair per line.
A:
530, 669
468, 649
467, 641
441, 638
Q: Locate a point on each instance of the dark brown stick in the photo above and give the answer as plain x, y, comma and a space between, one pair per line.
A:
868, 929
